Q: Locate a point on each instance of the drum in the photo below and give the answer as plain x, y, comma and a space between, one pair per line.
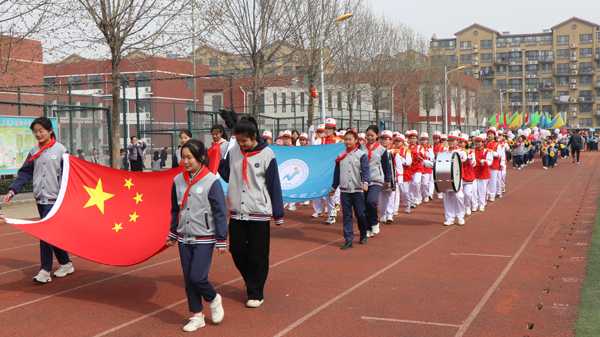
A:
447, 172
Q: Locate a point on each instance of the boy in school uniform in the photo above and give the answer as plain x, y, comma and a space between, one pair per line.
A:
380, 177
351, 175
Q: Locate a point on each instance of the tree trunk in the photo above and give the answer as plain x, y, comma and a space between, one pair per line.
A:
115, 114
428, 121
311, 104
376, 105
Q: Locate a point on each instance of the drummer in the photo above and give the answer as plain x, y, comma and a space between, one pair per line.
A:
468, 175
454, 208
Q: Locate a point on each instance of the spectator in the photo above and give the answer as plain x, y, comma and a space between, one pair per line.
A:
135, 154
80, 154
124, 160
95, 156
156, 161
576, 144
163, 157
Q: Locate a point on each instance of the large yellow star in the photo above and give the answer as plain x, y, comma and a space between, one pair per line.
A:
133, 217
128, 183
97, 196
118, 227
138, 198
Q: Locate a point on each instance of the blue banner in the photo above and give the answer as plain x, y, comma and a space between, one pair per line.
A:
306, 172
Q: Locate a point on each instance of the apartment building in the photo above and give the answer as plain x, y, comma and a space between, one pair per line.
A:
556, 70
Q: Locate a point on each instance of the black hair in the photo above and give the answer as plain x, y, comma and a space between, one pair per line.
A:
45, 123
132, 137
296, 132
185, 132
248, 127
353, 133
198, 150
155, 155
373, 128
220, 128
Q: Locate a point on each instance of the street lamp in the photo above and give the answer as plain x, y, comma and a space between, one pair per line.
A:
339, 19
446, 72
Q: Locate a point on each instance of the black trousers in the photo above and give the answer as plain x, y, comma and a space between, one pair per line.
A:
576, 153
249, 243
137, 165
195, 263
47, 250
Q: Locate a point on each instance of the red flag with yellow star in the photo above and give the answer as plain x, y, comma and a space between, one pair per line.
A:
109, 216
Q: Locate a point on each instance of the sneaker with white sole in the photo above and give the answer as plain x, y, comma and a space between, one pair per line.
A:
468, 211
217, 313
369, 234
316, 215
375, 230
196, 322
481, 208
448, 223
43, 276
474, 209
461, 221
407, 210
64, 270
331, 220
254, 303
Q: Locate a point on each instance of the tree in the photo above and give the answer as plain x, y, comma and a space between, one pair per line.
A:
120, 27
430, 92
486, 102
257, 31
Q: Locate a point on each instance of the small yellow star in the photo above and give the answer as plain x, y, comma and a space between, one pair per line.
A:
128, 183
118, 227
97, 196
133, 217
138, 198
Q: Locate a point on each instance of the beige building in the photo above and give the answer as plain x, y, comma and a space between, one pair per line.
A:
557, 70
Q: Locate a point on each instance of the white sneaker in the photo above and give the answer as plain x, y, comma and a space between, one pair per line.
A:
331, 220
64, 270
545, 168
196, 322
461, 221
217, 313
43, 277
306, 203
407, 210
292, 207
448, 223
426, 200
316, 215
254, 303
492, 199
481, 208
369, 234
468, 211
440, 196
376, 230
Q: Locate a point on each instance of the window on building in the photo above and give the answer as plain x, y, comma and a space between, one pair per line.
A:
532, 83
329, 100
501, 84
487, 83
50, 83
586, 68
95, 82
501, 69
466, 58
283, 102
452, 59
562, 40
562, 68
465, 45
533, 97
143, 79
515, 69
563, 80
547, 108
293, 101
502, 57
516, 97
213, 62
486, 44
532, 68
514, 56
75, 82
586, 107
501, 42
563, 53
586, 52
546, 39
274, 102
302, 102
586, 38
358, 100
217, 103
339, 101
516, 84
545, 67
547, 94
486, 57
532, 55
586, 80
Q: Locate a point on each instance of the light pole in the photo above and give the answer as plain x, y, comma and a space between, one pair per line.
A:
339, 19
445, 107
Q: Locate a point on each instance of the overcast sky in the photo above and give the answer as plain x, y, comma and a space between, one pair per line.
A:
446, 17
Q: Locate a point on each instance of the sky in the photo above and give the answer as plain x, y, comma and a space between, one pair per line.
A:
446, 17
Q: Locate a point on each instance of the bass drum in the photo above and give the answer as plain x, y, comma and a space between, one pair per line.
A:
447, 172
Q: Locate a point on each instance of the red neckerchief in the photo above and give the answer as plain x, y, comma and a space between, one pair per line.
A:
332, 139
214, 155
245, 156
371, 148
345, 154
41, 150
190, 182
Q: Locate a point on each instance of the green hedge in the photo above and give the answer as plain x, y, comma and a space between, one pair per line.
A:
6, 181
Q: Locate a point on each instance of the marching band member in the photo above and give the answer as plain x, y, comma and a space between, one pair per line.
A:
454, 208
468, 175
483, 161
403, 162
492, 147
317, 138
267, 136
503, 149
388, 194
286, 138
379, 178
416, 167
427, 185
351, 175
439, 145
362, 140
333, 201
303, 139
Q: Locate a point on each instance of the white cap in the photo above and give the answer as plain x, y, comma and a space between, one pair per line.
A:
286, 133
437, 134
362, 135
303, 135
424, 135
411, 133
330, 123
387, 134
321, 127
267, 134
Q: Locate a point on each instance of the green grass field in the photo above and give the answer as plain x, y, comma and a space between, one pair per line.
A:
588, 323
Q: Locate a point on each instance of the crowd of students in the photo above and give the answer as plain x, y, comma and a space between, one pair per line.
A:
379, 174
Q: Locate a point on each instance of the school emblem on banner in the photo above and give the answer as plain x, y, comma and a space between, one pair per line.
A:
293, 173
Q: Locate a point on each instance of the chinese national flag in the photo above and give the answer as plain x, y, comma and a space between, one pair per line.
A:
105, 215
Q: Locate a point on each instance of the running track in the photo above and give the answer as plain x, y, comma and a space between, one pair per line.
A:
515, 270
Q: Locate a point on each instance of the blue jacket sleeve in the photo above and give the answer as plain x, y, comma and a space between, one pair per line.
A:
24, 175
274, 188
336, 176
224, 168
174, 214
386, 165
364, 168
216, 198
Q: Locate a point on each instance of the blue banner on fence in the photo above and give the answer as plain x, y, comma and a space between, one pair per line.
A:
306, 172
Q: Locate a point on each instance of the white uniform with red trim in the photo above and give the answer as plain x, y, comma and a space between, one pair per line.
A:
454, 207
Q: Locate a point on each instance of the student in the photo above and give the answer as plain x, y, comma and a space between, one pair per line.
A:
403, 163
387, 196
483, 161
155, 161
218, 148
267, 137
318, 138
287, 139
254, 197
303, 139
416, 168
184, 137
199, 225
379, 178
332, 201
454, 208
468, 175
493, 148
43, 166
353, 183
135, 153
427, 186
124, 160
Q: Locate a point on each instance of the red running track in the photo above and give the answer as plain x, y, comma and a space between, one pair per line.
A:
515, 270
